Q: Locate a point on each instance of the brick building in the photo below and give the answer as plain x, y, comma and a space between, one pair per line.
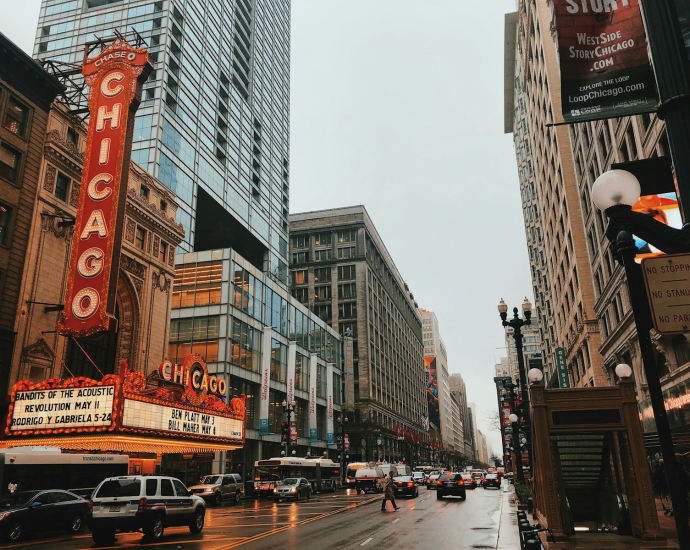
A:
341, 270
26, 92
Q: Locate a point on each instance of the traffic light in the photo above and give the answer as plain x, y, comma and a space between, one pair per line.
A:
284, 432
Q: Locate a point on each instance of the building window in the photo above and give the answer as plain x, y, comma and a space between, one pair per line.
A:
301, 294
9, 163
144, 192
301, 241
322, 275
322, 239
5, 215
62, 187
323, 255
347, 236
300, 257
300, 277
346, 252
322, 293
348, 310
346, 272
278, 361
15, 117
348, 290
140, 238
72, 136
324, 312
163, 252
681, 347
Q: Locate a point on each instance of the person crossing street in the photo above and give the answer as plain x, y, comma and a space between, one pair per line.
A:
389, 492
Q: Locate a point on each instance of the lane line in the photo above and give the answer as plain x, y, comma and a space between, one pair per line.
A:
367, 541
396, 520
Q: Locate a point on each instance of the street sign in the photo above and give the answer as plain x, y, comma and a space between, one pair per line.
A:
667, 279
347, 442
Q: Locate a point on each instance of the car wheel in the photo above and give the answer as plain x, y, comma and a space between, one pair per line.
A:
198, 522
14, 531
217, 498
154, 530
103, 537
237, 497
75, 524
462, 497
298, 496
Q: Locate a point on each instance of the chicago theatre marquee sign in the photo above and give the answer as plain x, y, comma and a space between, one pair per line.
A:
122, 413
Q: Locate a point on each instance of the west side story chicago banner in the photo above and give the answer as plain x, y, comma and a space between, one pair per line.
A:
605, 69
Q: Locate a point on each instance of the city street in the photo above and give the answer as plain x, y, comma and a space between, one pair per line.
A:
341, 521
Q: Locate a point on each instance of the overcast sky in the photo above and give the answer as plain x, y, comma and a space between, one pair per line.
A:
398, 105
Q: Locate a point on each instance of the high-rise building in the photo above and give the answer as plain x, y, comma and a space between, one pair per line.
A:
435, 353
556, 242
341, 270
472, 417
459, 392
214, 122
504, 369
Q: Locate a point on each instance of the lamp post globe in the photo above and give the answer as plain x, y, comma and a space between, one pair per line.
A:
623, 371
614, 188
513, 418
526, 306
502, 307
535, 376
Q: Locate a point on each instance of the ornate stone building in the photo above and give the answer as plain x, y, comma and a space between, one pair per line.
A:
146, 268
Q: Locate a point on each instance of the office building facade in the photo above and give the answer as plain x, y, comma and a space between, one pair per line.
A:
214, 122
458, 391
340, 269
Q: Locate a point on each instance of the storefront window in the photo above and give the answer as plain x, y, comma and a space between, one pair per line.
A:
198, 335
245, 346
197, 284
302, 372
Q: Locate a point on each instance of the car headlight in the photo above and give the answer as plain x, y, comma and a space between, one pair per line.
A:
208, 490
293, 490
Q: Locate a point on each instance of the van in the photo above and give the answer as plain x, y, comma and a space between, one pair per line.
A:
369, 480
402, 470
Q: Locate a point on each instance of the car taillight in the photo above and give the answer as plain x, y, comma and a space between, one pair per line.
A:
438, 482
484, 479
400, 483
410, 484
142, 503
90, 504
461, 482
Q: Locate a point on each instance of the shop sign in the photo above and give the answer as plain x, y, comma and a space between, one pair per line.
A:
115, 79
667, 279
346, 442
563, 377
349, 373
505, 414
193, 375
293, 432
313, 430
605, 69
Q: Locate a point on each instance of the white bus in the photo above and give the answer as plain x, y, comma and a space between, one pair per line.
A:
29, 468
322, 473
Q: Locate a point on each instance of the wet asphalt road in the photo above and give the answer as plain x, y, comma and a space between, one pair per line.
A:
326, 522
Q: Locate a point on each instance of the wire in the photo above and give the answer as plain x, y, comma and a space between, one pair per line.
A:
46, 342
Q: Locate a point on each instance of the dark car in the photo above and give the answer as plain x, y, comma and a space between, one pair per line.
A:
293, 487
450, 485
491, 480
470, 482
406, 485
41, 510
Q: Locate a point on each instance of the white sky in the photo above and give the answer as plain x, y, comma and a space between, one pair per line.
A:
398, 105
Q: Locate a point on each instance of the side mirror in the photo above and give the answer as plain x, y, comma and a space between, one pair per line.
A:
189, 493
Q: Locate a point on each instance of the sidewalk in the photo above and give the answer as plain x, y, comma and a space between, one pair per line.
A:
508, 534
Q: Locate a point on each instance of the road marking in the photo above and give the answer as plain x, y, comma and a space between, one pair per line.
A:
367, 541
396, 520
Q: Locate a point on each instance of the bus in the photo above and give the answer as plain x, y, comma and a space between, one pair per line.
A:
322, 473
29, 468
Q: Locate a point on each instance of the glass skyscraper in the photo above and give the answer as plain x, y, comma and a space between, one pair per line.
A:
214, 122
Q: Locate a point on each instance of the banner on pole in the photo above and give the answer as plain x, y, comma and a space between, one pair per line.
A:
563, 378
605, 69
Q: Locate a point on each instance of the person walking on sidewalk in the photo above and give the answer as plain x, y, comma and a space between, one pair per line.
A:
389, 488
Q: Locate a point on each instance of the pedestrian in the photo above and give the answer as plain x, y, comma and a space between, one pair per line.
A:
660, 485
389, 492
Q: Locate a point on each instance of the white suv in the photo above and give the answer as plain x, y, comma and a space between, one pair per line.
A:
146, 503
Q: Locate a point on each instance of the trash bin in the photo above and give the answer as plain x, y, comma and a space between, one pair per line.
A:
249, 488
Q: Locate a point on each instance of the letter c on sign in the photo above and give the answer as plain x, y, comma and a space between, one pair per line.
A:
116, 76
97, 194
165, 370
90, 262
82, 310
195, 378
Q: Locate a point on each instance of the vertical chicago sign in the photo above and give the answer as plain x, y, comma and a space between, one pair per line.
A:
115, 78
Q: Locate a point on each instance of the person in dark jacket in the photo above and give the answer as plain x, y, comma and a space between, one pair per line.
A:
389, 488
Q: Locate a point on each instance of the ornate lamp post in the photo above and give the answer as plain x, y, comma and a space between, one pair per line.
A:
615, 192
289, 408
342, 422
508, 393
516, 323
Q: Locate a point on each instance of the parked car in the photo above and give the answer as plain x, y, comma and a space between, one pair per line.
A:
418, 477
293, 487
470, 482
451, 485
369, 479
432, 479
218, 487
405, 485
146, 503
491, 480
41, 511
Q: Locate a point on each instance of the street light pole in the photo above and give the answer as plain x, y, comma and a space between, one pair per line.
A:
509, 394
615, 192
516, 324
668, 54
289, 408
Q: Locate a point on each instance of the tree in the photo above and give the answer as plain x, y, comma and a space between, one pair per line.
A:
493, 420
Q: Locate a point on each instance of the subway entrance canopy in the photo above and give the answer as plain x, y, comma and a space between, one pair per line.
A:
182, 410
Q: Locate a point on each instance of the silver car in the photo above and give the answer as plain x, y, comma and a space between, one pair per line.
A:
293, 487
218, 487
